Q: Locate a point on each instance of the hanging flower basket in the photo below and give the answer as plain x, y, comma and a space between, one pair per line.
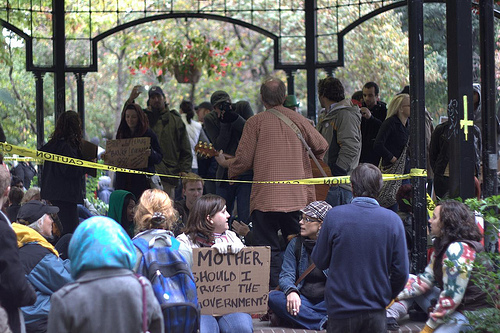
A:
189, 75
186, 61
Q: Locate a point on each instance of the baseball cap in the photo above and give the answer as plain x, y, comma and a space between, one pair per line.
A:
205, 105
155, 90
290, 101
218, 97
317, 209
33, 210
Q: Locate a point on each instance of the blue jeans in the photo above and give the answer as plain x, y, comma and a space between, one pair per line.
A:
338, 196
457, 322
367, 321
239, 192
238, 322
311, 316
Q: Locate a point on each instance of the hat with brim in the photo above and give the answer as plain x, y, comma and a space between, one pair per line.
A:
290, 101
155, 90
317, 209
33, 210
218, 97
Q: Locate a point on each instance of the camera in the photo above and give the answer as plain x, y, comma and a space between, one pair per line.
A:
225, 106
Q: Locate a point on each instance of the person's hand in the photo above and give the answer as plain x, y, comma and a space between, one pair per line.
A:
365, 113
221, 247
293, 303
241, 228
221, 159
136, 91
236, 247
427, 329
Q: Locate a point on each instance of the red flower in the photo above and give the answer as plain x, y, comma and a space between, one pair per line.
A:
143, 71
222, 63
238, 64
217, 78
189, 46
186, 79
160, 71
226, 49
223, 73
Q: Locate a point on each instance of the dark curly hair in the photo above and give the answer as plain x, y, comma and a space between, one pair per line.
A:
331, 88
457, 222
68, 128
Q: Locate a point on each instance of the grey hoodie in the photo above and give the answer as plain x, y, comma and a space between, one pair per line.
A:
341, 127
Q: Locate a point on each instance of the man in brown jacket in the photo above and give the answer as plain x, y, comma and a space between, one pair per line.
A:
274, 151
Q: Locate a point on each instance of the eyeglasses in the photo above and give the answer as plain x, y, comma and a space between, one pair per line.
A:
308, 219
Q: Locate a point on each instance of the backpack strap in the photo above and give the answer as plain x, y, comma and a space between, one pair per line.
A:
141, 244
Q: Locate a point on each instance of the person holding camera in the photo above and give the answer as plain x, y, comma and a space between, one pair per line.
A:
224, 126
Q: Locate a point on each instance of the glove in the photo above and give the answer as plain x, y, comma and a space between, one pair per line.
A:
427, 329
236, 247
220, 247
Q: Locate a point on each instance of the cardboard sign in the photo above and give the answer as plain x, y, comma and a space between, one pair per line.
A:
127, 153
228, 283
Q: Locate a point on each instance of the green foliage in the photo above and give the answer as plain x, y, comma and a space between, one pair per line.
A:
487, 278
91, 188
488, 208
486, 265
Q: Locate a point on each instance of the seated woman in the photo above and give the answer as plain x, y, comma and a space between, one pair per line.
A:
121, 209
302, 304
450, 274
207, 226
106, 296
44, 269
154, 218
157, 249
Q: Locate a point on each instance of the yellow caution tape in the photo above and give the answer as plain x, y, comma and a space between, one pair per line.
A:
41, 155
19, 158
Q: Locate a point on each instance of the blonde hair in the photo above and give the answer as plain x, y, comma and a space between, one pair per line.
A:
191, 177
395, 105
32, 193
154, 211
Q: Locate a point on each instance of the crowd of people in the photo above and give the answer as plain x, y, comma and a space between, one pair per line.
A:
339, 262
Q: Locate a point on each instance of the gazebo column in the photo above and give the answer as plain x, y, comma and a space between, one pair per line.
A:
80, 95
290, 81
488, 117
39, 109
311, 57
417, 131
460, 105
59, 57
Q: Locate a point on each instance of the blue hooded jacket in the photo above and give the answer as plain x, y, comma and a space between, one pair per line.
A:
100, 242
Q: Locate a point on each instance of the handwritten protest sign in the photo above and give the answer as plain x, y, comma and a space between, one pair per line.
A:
228, 283
127, 153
